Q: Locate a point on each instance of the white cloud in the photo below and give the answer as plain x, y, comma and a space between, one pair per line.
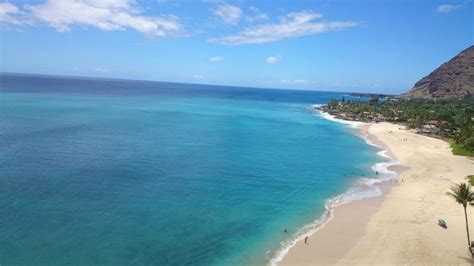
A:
290, 26
261, 16
107, 15
273, 59
257, 15
216, 59
228, 13
197, 76
9, 13
294, 81
102, 70
446, 8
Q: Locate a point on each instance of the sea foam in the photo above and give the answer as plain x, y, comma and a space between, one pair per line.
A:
363, 188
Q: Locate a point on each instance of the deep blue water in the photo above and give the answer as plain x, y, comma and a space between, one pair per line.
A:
118, 172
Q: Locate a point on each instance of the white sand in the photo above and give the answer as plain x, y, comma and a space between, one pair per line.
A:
400, 227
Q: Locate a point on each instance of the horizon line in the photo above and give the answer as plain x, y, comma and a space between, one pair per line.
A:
186, 83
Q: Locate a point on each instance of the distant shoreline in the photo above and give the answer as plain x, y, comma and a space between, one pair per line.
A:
340, 115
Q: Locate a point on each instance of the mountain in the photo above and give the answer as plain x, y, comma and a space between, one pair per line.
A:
454, 78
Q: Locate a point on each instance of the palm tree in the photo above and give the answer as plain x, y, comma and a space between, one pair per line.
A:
462, 194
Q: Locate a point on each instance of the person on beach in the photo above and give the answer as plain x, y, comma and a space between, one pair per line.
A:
306, 240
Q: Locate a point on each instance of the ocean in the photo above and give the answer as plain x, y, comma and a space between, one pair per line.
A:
121, 172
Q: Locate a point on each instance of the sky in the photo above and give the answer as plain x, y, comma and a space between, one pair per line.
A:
380, 46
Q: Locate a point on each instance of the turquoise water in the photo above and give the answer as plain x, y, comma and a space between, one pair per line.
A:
145, 173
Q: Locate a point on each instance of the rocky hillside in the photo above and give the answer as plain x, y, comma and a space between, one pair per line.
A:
452, 79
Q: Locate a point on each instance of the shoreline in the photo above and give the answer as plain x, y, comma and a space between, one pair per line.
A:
343, 203
383, 222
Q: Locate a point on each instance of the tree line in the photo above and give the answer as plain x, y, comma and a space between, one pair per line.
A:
454, 117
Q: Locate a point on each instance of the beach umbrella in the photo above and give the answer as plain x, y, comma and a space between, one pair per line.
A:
442, 222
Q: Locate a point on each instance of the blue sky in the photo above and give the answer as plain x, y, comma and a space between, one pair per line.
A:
374, 46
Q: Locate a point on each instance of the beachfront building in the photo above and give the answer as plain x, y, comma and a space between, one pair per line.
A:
430, 129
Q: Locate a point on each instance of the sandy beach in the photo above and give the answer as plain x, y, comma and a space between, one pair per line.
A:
401, 226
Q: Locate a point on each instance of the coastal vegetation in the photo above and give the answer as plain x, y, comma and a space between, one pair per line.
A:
463, 195
471, 179
449, 119
459, 149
